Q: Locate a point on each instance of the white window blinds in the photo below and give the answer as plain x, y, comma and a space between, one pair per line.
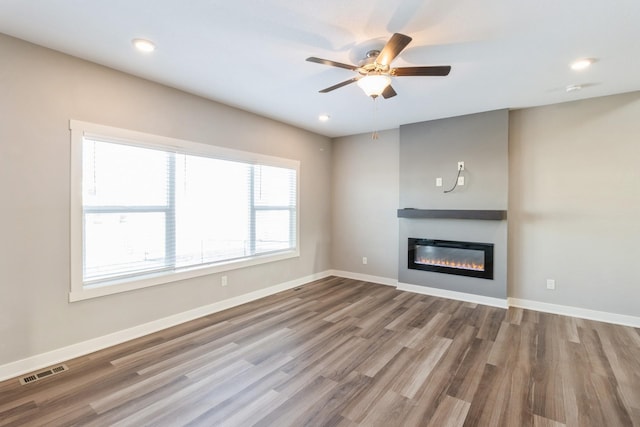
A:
148, 210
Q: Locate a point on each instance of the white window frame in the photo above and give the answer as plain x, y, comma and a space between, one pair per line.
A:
79, 129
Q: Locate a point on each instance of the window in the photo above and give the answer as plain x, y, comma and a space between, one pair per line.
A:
149, 210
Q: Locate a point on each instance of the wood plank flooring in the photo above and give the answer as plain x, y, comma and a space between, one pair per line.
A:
339, 352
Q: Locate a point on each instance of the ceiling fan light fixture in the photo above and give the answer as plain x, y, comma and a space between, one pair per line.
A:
374, 84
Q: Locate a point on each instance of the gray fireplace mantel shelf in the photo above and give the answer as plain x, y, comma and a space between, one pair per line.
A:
452, 214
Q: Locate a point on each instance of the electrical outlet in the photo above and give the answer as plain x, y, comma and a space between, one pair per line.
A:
460, 166
461, 180
438, 182
551, 284
223, 280
364, 260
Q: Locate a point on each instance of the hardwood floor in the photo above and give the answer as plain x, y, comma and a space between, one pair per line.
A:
339, 352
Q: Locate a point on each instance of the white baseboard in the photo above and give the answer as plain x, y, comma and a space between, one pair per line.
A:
53, 357
582, 313
461, 296
365, 277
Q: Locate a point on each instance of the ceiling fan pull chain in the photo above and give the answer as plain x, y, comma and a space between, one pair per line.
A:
374, 135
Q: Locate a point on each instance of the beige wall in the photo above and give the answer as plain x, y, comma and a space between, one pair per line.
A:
365, 200
574, 198
40, 90
574, 203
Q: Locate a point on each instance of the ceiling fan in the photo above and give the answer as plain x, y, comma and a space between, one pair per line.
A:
375, 72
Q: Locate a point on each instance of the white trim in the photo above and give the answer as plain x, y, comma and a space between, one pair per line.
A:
43, 360
460, 296
143, 139
582, 313
114, 287
76, 214
365, 277
78, 290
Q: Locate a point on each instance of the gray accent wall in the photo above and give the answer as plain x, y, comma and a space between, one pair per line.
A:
40, 90
430, 150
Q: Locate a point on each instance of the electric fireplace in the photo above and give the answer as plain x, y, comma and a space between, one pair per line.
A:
451, 257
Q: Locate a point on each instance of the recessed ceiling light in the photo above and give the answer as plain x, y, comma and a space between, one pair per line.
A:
581, 64
144, 45
324, 117
573, 88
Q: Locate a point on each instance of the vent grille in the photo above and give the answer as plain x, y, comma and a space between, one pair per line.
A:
43, 374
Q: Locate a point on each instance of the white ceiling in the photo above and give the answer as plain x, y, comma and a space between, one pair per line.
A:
251, 53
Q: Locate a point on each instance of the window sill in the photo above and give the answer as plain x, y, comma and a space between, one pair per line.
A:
130, 284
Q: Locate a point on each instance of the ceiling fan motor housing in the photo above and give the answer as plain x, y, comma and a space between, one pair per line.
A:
368, 65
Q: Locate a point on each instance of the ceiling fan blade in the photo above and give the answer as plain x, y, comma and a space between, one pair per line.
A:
388, 92
394, 46
339, 85
438, 70
332, 63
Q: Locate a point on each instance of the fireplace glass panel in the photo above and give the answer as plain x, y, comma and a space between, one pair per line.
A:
466, 259
471, 259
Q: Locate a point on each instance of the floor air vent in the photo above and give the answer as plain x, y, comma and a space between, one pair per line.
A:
43, 374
